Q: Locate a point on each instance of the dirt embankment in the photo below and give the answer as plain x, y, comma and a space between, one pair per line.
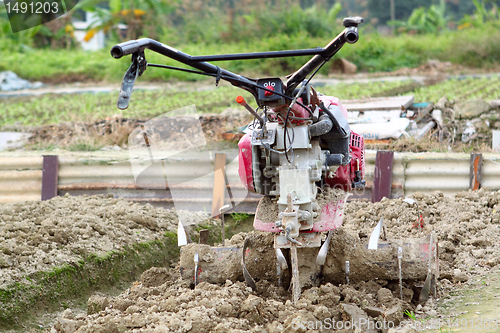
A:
53, 251
116, 131
39, 235
467, 227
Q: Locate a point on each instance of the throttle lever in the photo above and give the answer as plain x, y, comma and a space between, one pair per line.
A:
136, 69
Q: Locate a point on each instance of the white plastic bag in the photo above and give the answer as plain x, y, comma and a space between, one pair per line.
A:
392, 129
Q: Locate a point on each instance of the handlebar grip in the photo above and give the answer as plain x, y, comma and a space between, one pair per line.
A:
125, 48
351, 35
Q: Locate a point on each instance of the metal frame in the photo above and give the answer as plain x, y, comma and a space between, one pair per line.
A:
321, 55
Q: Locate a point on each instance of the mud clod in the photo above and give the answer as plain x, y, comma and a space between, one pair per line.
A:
96, 304
384, 295
64, 325
155, 277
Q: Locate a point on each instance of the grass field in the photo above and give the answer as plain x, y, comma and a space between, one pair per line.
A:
459, 89
56, 109
53, 109
474, 47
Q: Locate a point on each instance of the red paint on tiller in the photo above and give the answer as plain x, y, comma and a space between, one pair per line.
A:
330, 219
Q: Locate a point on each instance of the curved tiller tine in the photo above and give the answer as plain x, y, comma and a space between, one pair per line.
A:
248, 278
323, 251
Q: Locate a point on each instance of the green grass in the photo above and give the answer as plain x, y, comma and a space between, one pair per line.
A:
461, 89
373, 52
53, 109
239, 217
361, 90
410, 314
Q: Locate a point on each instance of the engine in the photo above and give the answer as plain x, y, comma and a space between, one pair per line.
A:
290, 163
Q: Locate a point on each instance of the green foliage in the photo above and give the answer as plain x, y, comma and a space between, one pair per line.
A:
476, 47
50, 109
19, 42
482, 15
379, 9
360, 90
410, 314
425, 20
222, 21
239, 217
315, 21
258, 30
56, 33
138, 15
256, 22
461, 89
373, 52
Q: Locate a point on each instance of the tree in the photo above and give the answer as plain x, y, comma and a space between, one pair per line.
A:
379, 9
482, 14
136, 14
425, 20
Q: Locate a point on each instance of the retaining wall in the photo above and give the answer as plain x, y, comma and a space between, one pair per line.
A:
111, 172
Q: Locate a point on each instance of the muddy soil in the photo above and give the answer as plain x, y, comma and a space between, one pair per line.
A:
159, 303
39, 235
467, 227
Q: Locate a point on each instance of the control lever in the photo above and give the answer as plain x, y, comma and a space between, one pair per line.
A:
136, 69
240, 100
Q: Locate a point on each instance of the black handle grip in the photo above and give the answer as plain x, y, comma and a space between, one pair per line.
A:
125, 48
351, 35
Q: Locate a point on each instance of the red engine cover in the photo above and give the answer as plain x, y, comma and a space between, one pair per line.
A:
344, 175
245, 162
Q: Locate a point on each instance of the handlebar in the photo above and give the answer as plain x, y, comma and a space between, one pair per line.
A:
349, 35
321, 55
126, 48
135, 46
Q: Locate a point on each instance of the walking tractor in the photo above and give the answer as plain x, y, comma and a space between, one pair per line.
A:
300, 155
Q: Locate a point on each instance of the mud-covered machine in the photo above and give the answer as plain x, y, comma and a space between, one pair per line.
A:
300, 145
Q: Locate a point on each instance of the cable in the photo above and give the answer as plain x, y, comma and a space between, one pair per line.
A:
218, 76
291, 144
228, 79
285, 137
181, 69
294, 100
316, 71
290, 148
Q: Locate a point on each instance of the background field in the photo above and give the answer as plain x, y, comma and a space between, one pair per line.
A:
463, 32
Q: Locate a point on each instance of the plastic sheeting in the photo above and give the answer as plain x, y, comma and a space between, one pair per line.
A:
9, 81
392, 129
